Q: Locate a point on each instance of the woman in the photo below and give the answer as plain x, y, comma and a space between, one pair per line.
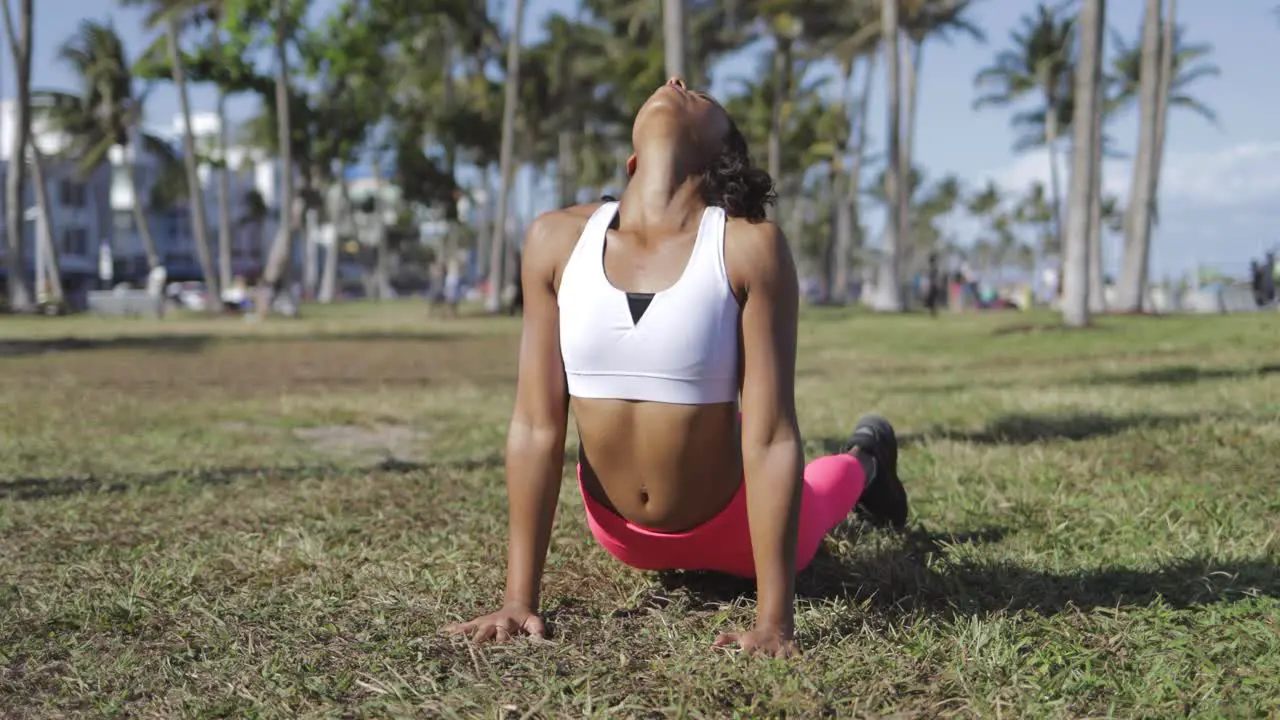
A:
649, 316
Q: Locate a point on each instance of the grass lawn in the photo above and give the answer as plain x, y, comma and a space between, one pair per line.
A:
207, 518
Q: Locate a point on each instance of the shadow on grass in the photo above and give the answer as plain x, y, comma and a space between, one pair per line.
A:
40, 488
1179, 375
1032, 428
899, 581
175, 343
190, 343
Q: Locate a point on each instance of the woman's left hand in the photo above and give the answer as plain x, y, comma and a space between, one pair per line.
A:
769, 642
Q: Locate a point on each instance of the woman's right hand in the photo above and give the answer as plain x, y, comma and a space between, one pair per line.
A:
501, 626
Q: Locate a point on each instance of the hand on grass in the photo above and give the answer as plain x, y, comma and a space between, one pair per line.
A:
766, 641
501, 626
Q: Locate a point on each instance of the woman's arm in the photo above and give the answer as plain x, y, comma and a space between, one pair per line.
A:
772, 456
535, 440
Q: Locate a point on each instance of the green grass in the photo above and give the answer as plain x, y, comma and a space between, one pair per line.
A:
208, 518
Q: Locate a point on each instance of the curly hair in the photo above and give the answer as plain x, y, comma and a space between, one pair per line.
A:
733, 182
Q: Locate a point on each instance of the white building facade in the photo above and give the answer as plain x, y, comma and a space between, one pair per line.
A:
96, 208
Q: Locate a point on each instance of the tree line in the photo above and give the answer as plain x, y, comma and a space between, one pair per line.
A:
443, 97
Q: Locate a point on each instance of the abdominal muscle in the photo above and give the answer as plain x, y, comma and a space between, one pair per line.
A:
665, 467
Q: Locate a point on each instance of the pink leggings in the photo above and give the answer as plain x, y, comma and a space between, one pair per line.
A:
832, 486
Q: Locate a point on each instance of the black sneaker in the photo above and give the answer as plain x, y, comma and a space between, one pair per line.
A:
884, 502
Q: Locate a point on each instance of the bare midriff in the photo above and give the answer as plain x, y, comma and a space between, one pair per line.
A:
665, 467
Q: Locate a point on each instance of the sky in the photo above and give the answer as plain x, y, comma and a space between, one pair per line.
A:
1220, 187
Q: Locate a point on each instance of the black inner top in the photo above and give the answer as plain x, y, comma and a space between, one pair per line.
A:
638, 302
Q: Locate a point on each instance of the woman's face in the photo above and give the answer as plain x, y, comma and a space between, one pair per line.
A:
690, 118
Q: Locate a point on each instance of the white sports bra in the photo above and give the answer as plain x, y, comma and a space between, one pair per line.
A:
682, 348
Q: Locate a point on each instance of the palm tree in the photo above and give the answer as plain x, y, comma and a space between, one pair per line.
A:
171, 15
889, 293
279, 257
926, 19
48, 268
785, 26
506, 162
1133, 273
1187, 65
20, 299
1034, 210
1084, 176
1039, 62
985, 206
673, 20
215, 11
558, 84
107, 113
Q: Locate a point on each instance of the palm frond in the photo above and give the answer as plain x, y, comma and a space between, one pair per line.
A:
1187, 102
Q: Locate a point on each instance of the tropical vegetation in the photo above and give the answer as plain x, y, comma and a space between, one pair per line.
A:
445, 100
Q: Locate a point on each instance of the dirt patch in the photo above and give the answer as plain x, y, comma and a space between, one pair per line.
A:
377, 442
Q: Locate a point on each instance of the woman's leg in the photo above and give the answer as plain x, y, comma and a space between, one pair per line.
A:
832, 486
865, 477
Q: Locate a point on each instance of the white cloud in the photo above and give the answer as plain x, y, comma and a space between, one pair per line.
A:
1033, 167
1243, 177
1218, 207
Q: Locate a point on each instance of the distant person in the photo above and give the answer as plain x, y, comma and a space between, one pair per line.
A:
517, 297
933, 285
1258, 283
1269, 279
453, 285
667, 323
435, 286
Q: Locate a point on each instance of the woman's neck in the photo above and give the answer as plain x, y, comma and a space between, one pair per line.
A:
662, 196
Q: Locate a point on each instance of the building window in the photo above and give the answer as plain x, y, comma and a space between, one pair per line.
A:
72, 194
75, 241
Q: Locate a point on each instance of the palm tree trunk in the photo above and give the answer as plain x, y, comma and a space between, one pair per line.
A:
914, 53
329, 275
454, 228
1097, 287
44, 238
1137, 246
673, 37
199, 224
224, 178
889, 293
851, 226
1167, 49
312, 229
224, 197
310, 246
484, 234
1055, 182
381, 270
140, 220
782, 91
20, 297
836, 281
280, 256
506, 159
1084, 176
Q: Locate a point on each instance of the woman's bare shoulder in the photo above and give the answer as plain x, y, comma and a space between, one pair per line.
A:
553, 234
755, 251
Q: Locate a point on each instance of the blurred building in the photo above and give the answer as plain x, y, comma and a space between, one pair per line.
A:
90, 209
